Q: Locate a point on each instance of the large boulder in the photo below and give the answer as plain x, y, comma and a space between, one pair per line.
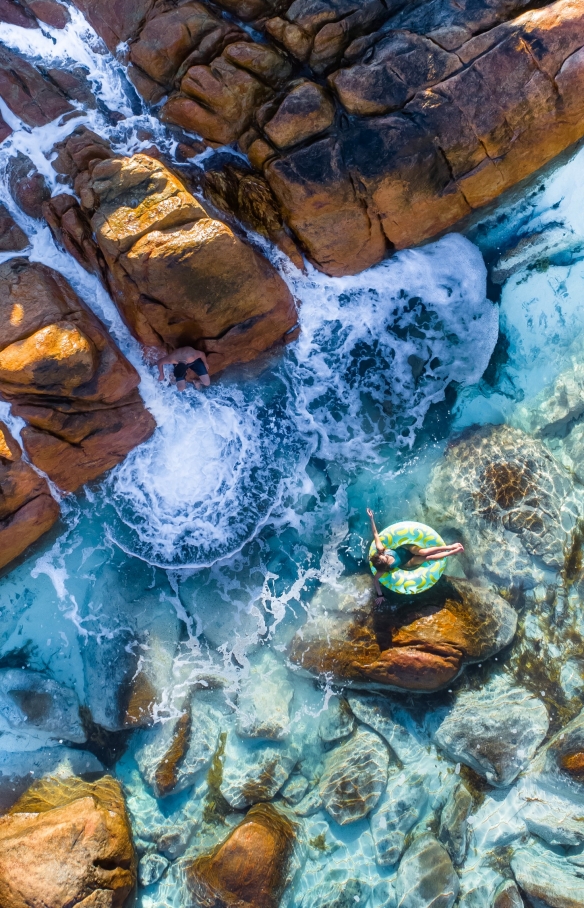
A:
422, 647
64, 375
179, 276
354, 776
27, 508
549, 878
515, 506
67, 842
28, 94
426, 877
248, 869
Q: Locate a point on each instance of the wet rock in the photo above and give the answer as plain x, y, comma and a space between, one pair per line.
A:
295, 788
110, 665
256, 771
151, 868
249, 867
177, 275
396, 814
263, 704
420, 647
453, 823
72, 231
115, 22
552, 412
554, 880
174, 751
354, 776
75, 154
75, 84
63, 374
49, 11
513, 503
508, 896
305, 112
65, 842
376, 711
38, 706
27, 186
426, 877
560, 764
5, 129
337, 720
27, 509
19, 767
12, 238
496, 731
14, 14
333, 892
27, 93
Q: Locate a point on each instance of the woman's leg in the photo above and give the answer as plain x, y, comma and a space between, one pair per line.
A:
443, 551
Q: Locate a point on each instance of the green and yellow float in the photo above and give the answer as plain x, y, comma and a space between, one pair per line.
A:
409, 583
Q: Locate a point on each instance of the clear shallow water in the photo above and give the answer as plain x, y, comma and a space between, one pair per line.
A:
202, 552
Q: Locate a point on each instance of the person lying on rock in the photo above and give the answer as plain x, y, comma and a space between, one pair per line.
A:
185, 360
404, 557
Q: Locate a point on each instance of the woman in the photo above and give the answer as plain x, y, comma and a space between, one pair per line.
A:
404, 557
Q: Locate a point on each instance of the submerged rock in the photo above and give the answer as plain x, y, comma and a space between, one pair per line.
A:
508, 896
496, 731
38, 706
515, 506
64, 375
396, 814
337, 720
453, 822
248, 869
264, 701
354, 776
256, 770
421, 647
27, 509
19, 767
556, 881
177, 275
67, 842
426, 877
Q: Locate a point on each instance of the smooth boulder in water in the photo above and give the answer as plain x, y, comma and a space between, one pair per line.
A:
354, 776
426, 877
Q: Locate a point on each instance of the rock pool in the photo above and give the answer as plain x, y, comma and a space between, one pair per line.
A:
200, 624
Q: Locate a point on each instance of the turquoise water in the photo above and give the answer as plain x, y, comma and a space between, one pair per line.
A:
199, 558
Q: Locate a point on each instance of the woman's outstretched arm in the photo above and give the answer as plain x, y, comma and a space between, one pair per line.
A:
378, 543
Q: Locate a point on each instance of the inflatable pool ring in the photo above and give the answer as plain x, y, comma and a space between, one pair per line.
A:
407, 532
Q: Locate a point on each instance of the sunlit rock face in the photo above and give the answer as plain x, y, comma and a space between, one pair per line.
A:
64, 375
178, 275
374, 126
67, 842
27, 509
421, 647
515, 507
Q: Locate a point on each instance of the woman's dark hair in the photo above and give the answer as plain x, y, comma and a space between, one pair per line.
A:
377, 561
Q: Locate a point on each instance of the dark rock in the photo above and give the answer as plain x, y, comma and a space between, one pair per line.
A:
27, 93
27, 186
75, 84
14, 14
49, 11
12, 238
508, 896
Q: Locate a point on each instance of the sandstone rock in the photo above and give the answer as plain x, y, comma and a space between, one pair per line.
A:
554, 880
426, 877
337, 721
173, 752
66, 378
27, 186
65, 841
12, 238
248, 869
263, 704
19, 767
49, 11
354, 776
177, 275
305, 112
72, 231
27, 509
5, 129
421, 647
38, 706
396, 814
453, 822
75, 84
496, 731
14, 14
115, 21
27, 93
513, 503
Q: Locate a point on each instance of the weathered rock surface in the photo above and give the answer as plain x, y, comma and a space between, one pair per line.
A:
34, 705
496, 731
66, 842
556, 881
27, 509
177, 275
63, 374
248, 869
426, 877
420, 647
19, 767
513, 504
27, 186
354, 776
30, 96
12, 237
427, 114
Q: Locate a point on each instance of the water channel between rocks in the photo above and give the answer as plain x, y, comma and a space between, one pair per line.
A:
235, 537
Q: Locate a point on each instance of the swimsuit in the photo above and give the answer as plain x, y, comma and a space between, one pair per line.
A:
402, 555
197, 366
